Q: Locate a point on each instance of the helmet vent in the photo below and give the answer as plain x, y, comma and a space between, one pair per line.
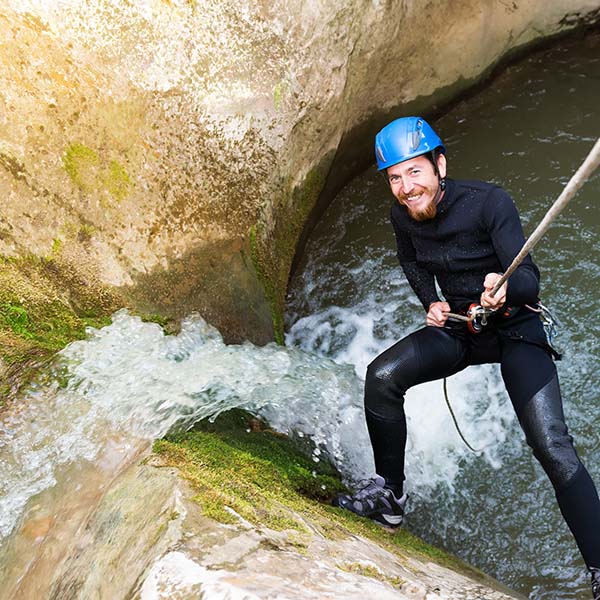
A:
416, 135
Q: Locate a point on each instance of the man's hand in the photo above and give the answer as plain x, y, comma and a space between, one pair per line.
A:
435, 314
499, 299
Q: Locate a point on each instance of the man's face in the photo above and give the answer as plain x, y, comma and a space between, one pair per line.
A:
415, 185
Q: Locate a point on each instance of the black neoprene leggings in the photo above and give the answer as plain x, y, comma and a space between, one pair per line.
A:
532, 384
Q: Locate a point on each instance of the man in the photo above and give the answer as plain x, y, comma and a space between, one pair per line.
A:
463, 234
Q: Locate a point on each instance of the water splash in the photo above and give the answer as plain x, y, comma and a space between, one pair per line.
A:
129, 382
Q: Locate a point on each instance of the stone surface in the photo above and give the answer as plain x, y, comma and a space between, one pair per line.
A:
159, 545
173, 149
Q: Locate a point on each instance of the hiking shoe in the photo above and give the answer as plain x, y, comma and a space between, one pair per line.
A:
595, 582
376, 502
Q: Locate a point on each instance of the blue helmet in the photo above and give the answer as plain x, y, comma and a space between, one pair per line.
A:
403, 139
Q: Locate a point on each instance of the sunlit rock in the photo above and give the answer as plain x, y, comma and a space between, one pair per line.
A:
172, 151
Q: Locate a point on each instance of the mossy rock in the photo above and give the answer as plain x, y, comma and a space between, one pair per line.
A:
241, 469
46, 303
91, 172
40, 314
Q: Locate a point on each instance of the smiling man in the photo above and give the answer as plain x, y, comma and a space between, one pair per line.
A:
463, 235
415, 183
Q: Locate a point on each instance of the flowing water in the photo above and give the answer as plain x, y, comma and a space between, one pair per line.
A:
127, 384
110, 395
528, 131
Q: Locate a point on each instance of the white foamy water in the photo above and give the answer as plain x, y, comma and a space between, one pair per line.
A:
130, 382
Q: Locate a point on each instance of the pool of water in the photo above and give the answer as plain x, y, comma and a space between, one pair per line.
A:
528, 131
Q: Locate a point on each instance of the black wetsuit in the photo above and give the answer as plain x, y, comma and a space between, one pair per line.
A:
477, 231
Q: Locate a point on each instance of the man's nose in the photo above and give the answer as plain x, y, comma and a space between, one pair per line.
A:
407, 185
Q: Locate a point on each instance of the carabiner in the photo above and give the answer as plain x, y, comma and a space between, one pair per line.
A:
475, 324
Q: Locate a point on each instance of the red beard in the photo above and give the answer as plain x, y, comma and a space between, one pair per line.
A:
423, 213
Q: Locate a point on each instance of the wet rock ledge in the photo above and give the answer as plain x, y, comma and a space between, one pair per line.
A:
233, 510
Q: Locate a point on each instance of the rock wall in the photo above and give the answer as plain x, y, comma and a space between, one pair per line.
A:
168, 153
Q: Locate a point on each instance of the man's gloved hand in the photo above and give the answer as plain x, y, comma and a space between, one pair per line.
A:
435, 314
499, 299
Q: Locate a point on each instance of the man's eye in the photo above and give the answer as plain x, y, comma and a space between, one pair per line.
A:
415, 171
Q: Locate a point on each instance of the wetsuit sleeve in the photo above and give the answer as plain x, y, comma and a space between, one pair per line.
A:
504, 225
421, 281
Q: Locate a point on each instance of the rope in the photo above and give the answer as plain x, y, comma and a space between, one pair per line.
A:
460, 433
472, 314
457, 317
589, 165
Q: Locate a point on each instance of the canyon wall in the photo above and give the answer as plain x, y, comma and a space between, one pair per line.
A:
167, 154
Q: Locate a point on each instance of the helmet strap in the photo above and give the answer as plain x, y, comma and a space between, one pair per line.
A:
442, 180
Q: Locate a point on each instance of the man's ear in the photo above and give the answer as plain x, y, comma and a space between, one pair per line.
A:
441, 165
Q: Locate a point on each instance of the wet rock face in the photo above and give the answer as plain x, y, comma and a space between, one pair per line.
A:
176, 148
160, 546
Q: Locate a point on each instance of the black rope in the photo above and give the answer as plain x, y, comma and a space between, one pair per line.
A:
460, 433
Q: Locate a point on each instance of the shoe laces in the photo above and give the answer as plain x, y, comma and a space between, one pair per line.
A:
369, 488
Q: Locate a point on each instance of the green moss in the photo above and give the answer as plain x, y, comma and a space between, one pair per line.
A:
94, 173
237, 468
278, 93
117, 181
49, 322
371, 571
257, 475
299, 542
15, 317
269, 287
51, 327
272, 251
38, 317
46, 303
57, 245
81, 164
